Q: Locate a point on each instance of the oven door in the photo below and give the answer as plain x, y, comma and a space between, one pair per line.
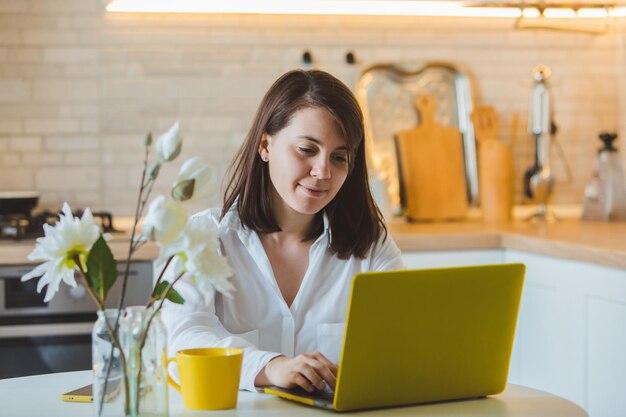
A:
31, 349
38, 337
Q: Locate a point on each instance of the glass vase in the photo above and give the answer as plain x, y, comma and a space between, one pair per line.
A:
144, 341
109, 392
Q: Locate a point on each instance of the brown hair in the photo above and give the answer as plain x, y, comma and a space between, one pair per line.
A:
355, 220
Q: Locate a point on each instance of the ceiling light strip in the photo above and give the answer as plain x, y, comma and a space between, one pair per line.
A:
321, 7
349, 7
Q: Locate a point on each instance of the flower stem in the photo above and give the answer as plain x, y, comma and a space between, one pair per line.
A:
143, 203
85, 276
125, 376
142, 338
138, 210
144, 333
131, 250
158, 281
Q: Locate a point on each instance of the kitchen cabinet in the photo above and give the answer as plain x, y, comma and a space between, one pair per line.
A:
571, 335
571, 332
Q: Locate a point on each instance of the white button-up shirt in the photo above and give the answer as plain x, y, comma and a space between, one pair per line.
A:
257, 318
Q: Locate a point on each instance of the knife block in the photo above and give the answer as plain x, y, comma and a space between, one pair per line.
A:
495, 175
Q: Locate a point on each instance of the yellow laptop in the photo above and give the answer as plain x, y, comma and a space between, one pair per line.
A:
421, 336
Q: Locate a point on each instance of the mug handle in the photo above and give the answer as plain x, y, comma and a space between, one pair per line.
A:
169, 378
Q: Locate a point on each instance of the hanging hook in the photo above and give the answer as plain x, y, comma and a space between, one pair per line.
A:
307, 59
350, 58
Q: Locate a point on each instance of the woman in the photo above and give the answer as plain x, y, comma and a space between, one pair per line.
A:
298, 222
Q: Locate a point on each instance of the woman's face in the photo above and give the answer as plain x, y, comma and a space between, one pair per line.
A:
308, 161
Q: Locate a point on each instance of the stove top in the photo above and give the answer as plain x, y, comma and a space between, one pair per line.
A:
22, 226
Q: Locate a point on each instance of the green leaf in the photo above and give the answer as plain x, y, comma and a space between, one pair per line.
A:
183, 191
102, 268
159, 288
175, 297
172, 295
148, 139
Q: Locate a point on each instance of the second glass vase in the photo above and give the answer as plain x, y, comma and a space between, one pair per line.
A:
144, 341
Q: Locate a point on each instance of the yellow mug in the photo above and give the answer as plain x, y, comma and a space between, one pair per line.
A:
209, 377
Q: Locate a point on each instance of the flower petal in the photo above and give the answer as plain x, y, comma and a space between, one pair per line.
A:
35, 273
70, 236
168, 144
164, 220
199, 246
194, 169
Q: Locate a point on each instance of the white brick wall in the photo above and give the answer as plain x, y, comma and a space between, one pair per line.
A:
25, 143
79, 89
14, 90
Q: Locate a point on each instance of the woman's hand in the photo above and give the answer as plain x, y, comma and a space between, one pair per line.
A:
309, 370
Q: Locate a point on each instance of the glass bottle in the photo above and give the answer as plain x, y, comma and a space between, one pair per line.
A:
612, 178
605, 196
145, 365
592, 205
108, 383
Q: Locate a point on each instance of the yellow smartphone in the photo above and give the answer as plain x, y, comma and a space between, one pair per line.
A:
79, 395
85, 394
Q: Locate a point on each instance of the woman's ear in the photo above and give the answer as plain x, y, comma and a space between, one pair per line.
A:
264, 147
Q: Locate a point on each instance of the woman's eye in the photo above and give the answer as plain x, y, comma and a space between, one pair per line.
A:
307, 151
341, 158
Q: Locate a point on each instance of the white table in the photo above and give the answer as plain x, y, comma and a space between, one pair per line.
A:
40, 395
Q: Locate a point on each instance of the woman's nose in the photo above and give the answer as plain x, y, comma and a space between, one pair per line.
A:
321, 169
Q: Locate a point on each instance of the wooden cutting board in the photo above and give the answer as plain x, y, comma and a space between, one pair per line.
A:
431, 159
495, 167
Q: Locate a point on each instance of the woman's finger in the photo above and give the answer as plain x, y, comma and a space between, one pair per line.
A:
323, 371
302, 382
327, 375
333, 368
311, 373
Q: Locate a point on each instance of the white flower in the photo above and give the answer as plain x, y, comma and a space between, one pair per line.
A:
197, 247
164, 220
194, 169
68, 238
168, 145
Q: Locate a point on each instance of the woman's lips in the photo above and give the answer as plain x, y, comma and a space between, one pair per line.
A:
313, 192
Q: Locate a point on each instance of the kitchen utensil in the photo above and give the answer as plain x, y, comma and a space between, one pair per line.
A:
538, 180
18, 202
387, 94
431, 159
495, 167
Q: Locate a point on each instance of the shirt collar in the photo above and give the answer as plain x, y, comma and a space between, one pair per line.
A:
231, 221
326, 232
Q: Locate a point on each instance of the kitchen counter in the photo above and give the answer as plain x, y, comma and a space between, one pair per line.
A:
16, 252
594, 242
